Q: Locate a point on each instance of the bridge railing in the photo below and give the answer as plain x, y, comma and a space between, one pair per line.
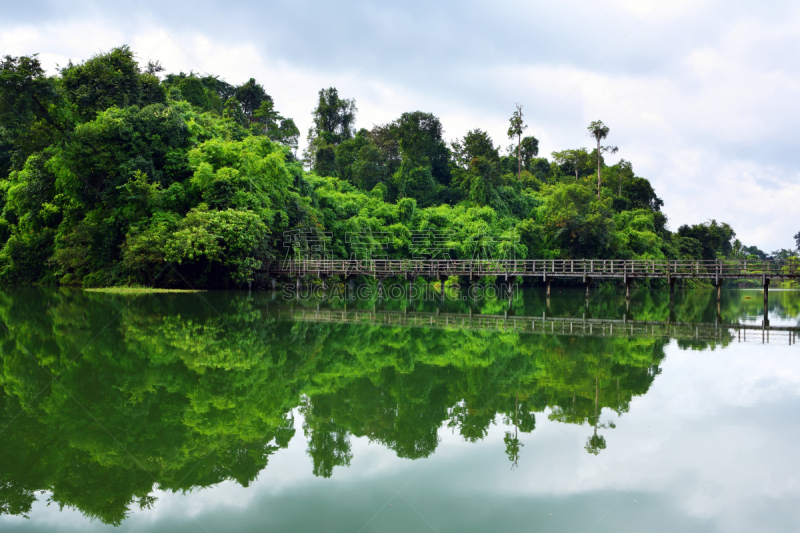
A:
548, 325
542, 267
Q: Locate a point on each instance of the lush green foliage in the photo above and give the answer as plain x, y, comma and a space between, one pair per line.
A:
110, 175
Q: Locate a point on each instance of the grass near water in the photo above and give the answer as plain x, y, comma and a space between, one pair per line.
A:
137, 290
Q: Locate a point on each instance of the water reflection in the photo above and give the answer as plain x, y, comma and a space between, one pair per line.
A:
105, 397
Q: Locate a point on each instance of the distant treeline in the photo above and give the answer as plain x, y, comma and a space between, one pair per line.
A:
111, 173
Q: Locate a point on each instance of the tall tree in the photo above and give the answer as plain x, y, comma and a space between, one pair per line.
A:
599, 131
277, 127
384, 138
476, 166
515, 129
419, 136
251, 95
334, 117
528, 150
334, 123
476, 143
110, 79
625, 171
32, 111
714, 238
575, 159
194, 92
797, 240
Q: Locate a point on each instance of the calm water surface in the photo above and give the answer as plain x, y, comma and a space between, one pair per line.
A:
234, 412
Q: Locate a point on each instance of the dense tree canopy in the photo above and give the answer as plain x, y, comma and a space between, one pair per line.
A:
112, 175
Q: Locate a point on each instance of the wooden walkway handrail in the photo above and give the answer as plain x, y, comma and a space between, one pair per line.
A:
532, 324
545, 268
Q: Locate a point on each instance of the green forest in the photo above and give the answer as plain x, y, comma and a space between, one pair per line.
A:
114, 173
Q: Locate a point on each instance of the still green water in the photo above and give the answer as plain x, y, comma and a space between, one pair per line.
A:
222, 411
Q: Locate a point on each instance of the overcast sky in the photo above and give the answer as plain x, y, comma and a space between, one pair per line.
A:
700, 96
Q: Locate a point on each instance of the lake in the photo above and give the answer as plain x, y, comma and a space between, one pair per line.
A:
399, 411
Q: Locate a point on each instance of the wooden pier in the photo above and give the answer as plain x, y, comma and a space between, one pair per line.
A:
547, 270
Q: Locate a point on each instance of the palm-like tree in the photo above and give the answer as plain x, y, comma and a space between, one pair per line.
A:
599, 131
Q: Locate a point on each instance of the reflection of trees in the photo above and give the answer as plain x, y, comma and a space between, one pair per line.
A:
523, 420
602, 378
180, 396
162, 405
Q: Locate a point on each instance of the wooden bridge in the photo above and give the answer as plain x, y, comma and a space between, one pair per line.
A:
546, 269
583, 327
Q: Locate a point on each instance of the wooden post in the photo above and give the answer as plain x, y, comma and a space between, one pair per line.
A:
548, 289
671, 289
719, 289
766, 295
587, 289
627, 289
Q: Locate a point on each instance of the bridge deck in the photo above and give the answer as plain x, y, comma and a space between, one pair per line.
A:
544, 268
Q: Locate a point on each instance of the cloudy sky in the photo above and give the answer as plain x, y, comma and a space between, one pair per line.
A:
701, 96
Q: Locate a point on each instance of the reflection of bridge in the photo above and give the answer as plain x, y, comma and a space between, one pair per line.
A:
546, 269
583, 327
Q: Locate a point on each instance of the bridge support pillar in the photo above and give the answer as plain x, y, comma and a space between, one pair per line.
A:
442, 279
719, 290
272, 282
766, 295
587, 289
627, 288
548, 288
671, 289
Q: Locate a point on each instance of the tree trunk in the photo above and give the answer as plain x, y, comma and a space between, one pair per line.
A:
519, 159
47, 116
596, 401
599, 183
